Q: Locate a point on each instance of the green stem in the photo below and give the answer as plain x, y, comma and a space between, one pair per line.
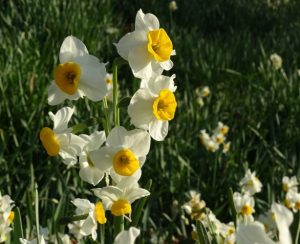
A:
37, 213
296, 230
106, 114
118, 225
102, 234
115, 94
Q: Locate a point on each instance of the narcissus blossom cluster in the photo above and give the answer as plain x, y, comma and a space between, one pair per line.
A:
115, 156
271, 227
6, 216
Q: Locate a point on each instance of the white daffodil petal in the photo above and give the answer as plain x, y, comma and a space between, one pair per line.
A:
116, 137
89, 227
140, 109
61, 119
83, 205
129, 41
126, 181
146, 21
140, 62
283, 219
91, 175
92, 81
252, 233
127, 237
167, 65
138, 142
158, 129
97, 139
102, 158
133, 194
56, 96
71, 48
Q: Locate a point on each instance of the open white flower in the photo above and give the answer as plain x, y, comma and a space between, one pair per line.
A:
148, 48
127, 236
96, 213
125, 151
60, 140
290, 184
78, 74
244, 204
118, 199
250, 183
88, 172
292, 200
154, 105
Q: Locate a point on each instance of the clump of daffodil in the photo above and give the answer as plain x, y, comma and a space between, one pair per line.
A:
124, 153
148, 48
195, 207
292, 197
96, 215
213, 142
154, 105
88, 172
6, 216
250, 183
79, 74
119, 198
201, 94
60, 140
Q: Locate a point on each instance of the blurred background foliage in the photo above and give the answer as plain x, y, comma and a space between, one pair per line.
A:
225, 45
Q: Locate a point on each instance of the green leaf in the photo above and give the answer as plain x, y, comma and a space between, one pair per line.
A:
202, 233
18, 228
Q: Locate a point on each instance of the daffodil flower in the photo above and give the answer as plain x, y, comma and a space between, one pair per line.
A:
60, 140
88, 172
125, 151
96, 214
6, 216
290, 184
79, 74
244, 205
154, 105
250, 183
127, 236
118, 198
148, 48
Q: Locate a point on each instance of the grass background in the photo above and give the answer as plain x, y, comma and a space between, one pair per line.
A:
223, 44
